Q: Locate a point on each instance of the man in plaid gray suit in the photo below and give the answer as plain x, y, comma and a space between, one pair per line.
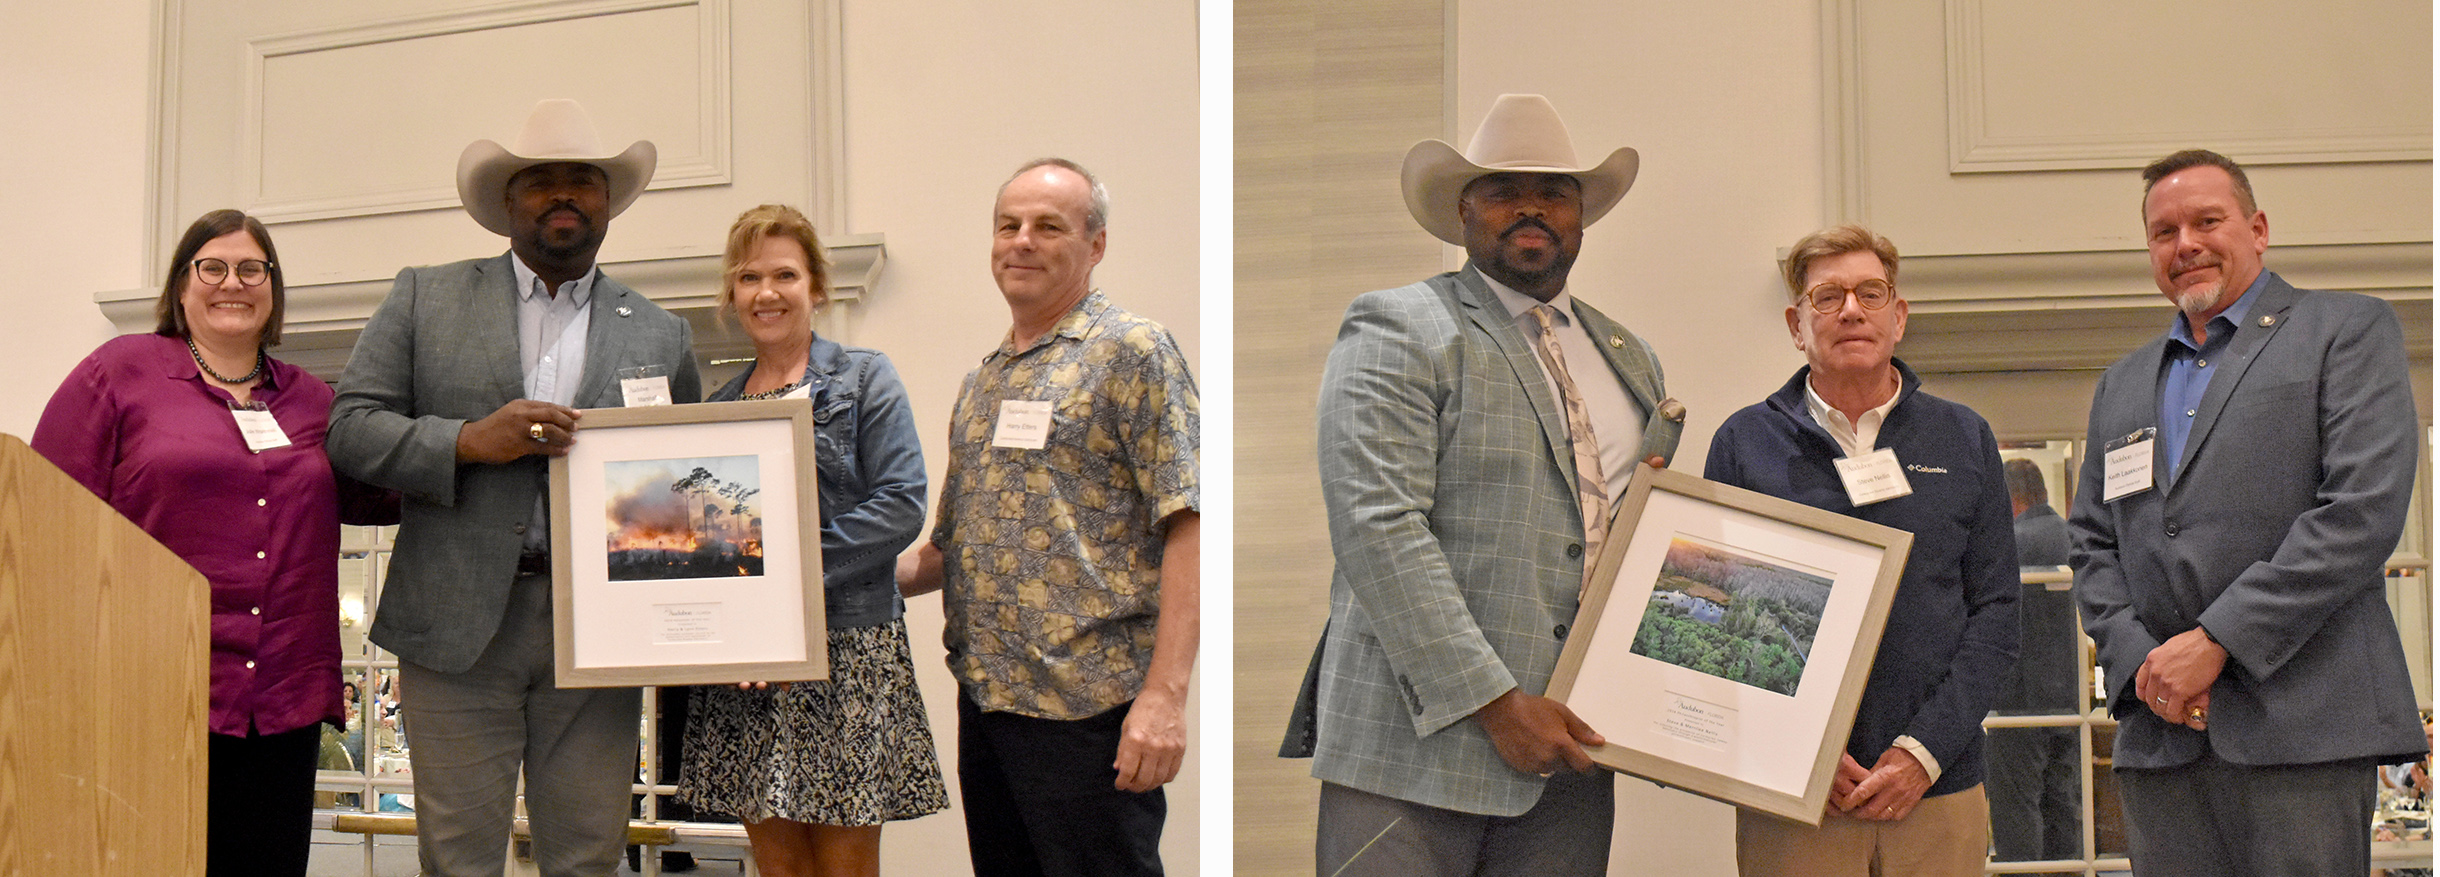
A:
1472, 429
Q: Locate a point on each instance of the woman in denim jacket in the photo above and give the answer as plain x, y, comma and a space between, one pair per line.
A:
814, 768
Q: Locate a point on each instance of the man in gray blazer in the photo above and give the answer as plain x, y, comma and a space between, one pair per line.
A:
462, 385
2246, 477
1472, 427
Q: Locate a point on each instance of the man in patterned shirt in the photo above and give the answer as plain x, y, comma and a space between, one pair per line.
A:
1067, 548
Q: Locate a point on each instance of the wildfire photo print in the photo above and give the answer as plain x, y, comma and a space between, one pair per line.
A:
690, 518
1733, 615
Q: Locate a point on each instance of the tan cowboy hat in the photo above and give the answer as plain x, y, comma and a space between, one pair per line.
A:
1521, 133
558, 130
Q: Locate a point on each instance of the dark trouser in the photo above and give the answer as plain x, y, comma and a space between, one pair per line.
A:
1565, 834
2031, 776
261, 819
2216, 819
1041, 799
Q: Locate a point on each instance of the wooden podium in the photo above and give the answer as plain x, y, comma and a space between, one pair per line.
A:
104, 685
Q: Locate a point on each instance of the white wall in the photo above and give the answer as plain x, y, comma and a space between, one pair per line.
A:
942, 101
73, 85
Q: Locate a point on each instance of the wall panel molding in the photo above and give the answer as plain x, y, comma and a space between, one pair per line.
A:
1996, 144
2359, 131
283, 74
2120, 278
341, 126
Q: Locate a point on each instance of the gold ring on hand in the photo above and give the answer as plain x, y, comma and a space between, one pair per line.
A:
535, 431
2194, 714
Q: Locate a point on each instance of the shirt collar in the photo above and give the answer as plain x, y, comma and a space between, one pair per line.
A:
2226, 321
1078, 319
526, 280
1518, 303
1823, 414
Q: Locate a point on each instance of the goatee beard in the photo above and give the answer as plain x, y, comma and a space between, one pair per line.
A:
2199, 300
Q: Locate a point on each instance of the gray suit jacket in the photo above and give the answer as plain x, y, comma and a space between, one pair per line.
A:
2292, 493
1459, 543
441, 352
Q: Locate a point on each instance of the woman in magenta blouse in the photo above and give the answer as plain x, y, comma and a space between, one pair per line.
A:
215, 449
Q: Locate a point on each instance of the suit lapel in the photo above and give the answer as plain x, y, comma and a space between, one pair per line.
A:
494, 306
1627, 359
1484, 308
2252, 334
603, 345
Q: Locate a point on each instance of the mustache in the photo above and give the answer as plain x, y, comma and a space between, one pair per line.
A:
567, 208
1523, 223
2182, 267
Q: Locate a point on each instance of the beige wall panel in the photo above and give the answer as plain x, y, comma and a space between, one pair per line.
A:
1328, 98
342, 127
1941, 86
2096, 84
319, 95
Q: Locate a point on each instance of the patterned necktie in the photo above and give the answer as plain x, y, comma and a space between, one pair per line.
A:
1590, 490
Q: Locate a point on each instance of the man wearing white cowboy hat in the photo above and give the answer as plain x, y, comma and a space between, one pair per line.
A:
1473, 428
462, 385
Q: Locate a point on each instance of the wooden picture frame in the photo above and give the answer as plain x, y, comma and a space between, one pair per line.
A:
702, 550
1695, 570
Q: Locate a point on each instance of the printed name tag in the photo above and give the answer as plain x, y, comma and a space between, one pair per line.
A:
639, 392
1024, 423
2126, 465
261, 430
1873, 477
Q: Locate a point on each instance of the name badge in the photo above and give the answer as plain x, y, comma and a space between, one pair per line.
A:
1873, 477
644, 385
2126, 464
262, 431
1024, 423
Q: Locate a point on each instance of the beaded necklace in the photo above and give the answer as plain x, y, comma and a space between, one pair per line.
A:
196, 352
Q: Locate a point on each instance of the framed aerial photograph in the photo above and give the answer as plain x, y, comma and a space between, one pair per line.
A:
687, 549
1725, 638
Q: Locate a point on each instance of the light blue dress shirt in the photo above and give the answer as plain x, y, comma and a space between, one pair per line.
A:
551, 327
2188, 372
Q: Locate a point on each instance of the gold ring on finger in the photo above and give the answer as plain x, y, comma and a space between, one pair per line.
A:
535, 431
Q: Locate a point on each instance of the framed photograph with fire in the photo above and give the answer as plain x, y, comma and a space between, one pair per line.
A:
688, 546
1724, 640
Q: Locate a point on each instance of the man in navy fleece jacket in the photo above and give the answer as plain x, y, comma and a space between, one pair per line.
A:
1908, 792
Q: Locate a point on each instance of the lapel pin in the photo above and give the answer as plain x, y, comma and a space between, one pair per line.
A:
2268, 319
1618, 341
625, 311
